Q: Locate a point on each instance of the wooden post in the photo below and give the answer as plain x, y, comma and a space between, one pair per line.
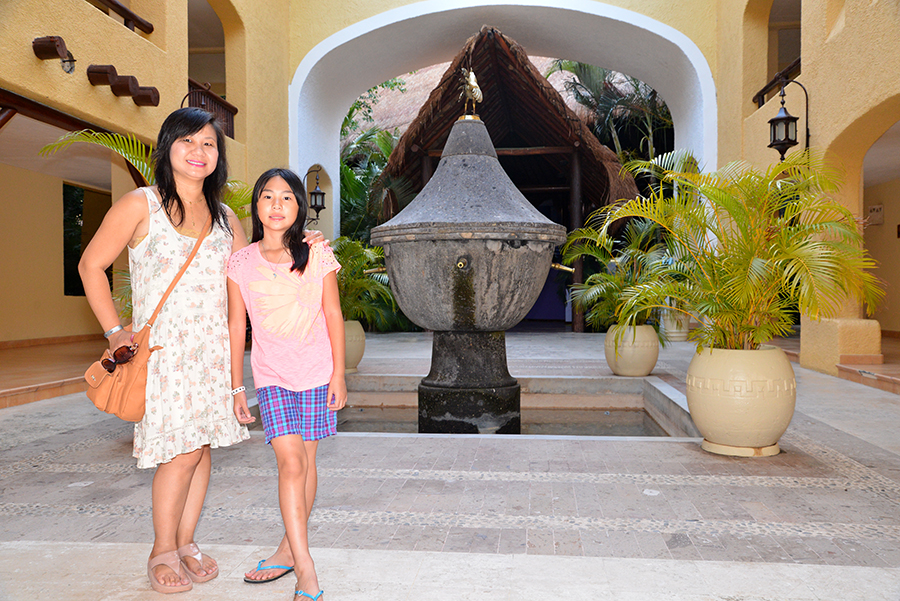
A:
576, 220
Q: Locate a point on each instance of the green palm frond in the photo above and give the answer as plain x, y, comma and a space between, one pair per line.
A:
364, 296
744, 247
238, 196
237, 193
127, 146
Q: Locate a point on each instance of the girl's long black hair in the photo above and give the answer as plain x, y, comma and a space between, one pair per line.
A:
179, 124
293, 237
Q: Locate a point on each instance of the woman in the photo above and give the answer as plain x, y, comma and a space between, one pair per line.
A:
188, 400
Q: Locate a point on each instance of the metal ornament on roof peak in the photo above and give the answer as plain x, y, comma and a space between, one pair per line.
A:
470, 90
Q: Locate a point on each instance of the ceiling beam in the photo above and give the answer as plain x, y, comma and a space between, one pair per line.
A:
6, 114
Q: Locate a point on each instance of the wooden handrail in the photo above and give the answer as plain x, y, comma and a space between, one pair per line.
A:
212, 102
780, 78
131, 19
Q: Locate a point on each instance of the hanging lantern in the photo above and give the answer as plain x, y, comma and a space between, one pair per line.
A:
782, 129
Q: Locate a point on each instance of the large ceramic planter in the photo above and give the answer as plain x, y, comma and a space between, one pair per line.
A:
636, 352
741, 401
355, 345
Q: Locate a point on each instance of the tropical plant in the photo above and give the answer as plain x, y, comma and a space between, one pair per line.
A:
362, 286
746, 247
361, 109
364, 155
623, 265
628, 113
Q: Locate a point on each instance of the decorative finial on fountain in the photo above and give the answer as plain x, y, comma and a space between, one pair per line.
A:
470, 90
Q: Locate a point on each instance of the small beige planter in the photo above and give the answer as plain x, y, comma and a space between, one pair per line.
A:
637, 351
676, 325
355, 343
741, 401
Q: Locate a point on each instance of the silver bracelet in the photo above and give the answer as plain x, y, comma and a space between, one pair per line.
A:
238, 389
112, 331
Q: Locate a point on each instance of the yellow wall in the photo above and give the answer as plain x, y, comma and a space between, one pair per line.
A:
884, 243
31, 244
158, 59
854, 94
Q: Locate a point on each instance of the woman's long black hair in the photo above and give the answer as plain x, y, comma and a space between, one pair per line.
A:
179, 124
293, 237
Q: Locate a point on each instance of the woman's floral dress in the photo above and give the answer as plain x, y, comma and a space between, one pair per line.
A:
189, 400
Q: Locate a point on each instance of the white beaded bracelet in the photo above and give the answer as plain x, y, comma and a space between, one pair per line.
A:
238, 389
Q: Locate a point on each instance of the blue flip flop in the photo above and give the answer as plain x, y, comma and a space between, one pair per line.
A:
260, 567
308, 596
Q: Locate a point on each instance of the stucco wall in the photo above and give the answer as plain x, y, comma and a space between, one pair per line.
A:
31, 244
158, 59
884, 244
854, 93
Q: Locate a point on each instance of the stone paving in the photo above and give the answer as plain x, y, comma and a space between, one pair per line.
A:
402, 516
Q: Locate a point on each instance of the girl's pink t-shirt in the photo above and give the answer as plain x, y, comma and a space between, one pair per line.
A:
291, 348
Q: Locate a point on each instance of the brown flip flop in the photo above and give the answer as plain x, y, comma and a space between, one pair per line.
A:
192, 550
171, 560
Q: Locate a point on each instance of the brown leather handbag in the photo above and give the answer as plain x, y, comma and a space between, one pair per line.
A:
123, 391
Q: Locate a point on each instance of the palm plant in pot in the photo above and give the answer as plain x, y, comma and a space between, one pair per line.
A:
631, 349
748, 248
364, 293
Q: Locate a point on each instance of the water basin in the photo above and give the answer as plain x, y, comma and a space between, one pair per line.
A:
548, 422
551, 405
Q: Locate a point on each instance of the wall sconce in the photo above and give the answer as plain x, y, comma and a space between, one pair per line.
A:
783, 126
52, 47
316, 197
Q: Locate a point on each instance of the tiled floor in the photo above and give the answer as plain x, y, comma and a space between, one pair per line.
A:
438, 517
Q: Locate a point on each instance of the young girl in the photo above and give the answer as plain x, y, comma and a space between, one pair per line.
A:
290, 292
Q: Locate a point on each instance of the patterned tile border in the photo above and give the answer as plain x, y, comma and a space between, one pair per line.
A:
854, 476
461, 520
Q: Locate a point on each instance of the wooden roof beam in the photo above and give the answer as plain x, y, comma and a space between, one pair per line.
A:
519, 152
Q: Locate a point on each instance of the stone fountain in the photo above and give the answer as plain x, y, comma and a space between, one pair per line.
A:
467, 259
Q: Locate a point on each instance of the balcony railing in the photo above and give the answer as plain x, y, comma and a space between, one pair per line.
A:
131, 19
786, 74
199, 95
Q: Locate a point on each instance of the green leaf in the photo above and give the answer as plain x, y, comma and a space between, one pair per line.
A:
127, 146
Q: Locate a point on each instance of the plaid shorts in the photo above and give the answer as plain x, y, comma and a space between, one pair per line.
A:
287, 412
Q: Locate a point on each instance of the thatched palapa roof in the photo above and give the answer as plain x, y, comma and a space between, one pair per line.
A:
535, 133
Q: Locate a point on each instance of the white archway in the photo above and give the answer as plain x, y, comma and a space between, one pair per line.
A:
338, 69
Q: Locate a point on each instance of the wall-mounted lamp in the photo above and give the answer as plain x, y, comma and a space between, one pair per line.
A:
52, 47
783, 126
316, 197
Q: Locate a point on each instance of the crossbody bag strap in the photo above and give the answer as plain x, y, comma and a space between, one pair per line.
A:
180, 272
